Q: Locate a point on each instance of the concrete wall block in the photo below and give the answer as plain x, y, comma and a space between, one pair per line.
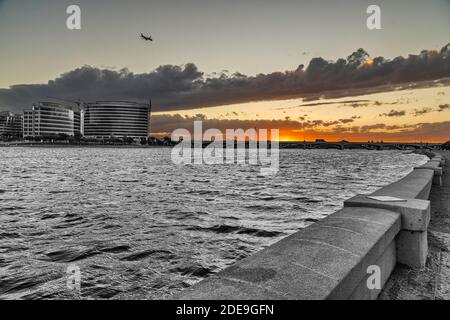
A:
416, 185
437, 170
412, 248
425, 193
415, 213
439, 158
432, 163
437, 174
437, 181
226, 289
386, 263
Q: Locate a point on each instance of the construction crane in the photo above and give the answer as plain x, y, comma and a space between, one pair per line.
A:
78, 102
80, 125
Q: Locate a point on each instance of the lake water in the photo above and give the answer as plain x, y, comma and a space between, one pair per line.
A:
140, 227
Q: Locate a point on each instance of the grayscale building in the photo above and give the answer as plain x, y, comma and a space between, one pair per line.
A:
78, 122
48, 119
10, 125
105, 119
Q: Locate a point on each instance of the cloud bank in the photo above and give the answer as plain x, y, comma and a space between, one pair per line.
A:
185, 87
394, 113
334, 130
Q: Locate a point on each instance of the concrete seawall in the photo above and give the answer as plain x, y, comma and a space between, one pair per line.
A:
433, 281
334, 257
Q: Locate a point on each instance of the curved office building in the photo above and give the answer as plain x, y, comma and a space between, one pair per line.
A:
104, 119
48, 119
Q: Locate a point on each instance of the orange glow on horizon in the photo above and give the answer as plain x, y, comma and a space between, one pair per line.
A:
369, 62
288, 135
363, 137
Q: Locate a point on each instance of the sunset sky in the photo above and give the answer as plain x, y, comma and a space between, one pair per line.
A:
241, 64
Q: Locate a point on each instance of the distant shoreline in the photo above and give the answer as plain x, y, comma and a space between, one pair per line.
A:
82, 146
282, 145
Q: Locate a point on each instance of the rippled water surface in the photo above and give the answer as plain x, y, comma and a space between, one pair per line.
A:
139, 227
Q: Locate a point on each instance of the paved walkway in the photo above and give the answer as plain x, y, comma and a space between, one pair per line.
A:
434, 281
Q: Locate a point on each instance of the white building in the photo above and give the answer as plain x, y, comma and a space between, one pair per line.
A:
48, 119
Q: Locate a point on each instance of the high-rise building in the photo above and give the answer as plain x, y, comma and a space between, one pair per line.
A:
10, 125
48, 119
104, 119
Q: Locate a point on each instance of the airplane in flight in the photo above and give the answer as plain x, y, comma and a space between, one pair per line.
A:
149, 38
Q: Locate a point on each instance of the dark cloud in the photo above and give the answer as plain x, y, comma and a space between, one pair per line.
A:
443, 107
421, 112
433, 131
350, 103
340, 104
186, 87
394, 113
378, 103
340, 121
439, 131
357, 104
168, 123
382, 126
315, 104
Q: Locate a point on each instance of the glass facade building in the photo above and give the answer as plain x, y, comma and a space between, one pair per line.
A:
105, 119
48, 119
